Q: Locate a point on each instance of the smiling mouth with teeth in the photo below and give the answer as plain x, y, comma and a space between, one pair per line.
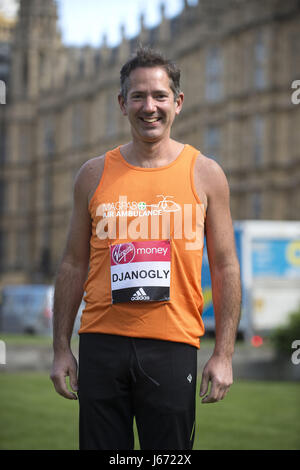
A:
150, 119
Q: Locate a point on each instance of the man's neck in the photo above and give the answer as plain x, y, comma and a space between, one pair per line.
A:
151, 154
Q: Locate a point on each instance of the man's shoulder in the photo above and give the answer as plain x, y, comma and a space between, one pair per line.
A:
207, 167
209, 175
95, 163
207, 163
89, 175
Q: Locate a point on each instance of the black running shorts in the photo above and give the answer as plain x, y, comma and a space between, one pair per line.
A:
122, 377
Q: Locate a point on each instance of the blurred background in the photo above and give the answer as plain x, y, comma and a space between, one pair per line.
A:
59, 80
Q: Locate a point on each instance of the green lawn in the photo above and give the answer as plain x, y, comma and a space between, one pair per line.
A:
254, 415
16, 339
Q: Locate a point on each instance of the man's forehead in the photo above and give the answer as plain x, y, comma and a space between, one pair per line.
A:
142, 76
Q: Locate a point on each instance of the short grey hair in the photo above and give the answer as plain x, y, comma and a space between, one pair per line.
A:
147, 57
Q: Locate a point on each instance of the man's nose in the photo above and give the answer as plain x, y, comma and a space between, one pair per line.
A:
149, 104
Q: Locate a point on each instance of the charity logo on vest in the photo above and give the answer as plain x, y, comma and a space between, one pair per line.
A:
140, 271
134, 220
126, 208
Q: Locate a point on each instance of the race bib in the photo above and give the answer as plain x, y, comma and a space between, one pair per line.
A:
140, 271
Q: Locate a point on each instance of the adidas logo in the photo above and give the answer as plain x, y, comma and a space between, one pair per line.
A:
140, 294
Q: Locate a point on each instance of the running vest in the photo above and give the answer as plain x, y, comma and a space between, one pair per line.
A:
146, 250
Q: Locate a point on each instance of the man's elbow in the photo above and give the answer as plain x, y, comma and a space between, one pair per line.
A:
226, 268
74, 264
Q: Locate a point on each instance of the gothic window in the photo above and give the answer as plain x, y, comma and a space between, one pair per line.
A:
212, 141
24, 142
256, 203
81, 68
25, 74
23, 196
49, 137
294, 54
2, 142
258, 140
2, 194
213, 74
77, 126
2, 250
260, 55
21, 249
111, 127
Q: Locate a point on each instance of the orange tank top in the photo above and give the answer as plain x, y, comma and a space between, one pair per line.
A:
146, 250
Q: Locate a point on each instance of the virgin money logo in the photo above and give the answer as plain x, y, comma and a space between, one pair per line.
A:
123, 253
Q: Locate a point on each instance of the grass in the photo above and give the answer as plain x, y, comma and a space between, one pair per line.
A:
26, 340
21, 340
16, 339
33, 416
254, 415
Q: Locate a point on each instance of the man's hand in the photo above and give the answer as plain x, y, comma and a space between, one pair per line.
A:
65, 365
218, 371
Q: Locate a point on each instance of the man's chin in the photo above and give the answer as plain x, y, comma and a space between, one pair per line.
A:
150, 137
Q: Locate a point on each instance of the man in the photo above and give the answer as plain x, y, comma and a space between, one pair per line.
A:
138, 221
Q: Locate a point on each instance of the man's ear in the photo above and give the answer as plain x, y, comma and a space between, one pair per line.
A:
179, 102
122, 104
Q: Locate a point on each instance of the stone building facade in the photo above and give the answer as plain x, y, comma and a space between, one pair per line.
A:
238, 58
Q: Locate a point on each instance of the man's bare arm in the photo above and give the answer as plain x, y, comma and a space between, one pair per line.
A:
225, 277
71, 276
72, 272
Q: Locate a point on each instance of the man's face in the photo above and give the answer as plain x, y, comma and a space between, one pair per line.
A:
150, 104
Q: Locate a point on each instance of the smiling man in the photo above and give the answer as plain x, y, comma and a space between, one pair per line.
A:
134, 248
151, 105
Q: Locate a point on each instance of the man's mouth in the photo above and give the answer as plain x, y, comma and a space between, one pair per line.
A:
151, 120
